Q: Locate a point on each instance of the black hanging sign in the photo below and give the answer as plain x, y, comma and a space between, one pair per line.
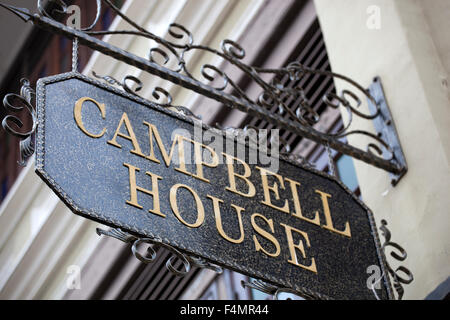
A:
127, 163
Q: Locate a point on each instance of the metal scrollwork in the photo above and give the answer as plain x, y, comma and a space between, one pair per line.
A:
60, 7
260, 286
348, 100
162, 96
118, 234
16, 103
151, 252
167, 60
274, 93
202, 263
398, 254
278, 144
280, 291
271, 289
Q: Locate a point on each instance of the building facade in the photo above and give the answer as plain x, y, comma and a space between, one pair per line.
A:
46, 252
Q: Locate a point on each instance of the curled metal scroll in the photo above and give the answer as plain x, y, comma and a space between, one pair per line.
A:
60, 8
16, 103
301, 160
151, 252
280, 291
162, 96
398, 254
271, 289
273, 93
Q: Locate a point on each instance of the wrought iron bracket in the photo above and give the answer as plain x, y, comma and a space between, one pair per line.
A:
16, 103
151, 253
385, 128
300, 121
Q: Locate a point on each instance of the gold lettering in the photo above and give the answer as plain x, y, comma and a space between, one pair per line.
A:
328, 221
219, 220
232, 175
293, 260
79, 121
274, 188
265, 234
134, 189
298, 210
131, 136
174, 205
167, 157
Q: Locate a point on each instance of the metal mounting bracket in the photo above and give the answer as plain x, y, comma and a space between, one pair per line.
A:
385, 129
273, 95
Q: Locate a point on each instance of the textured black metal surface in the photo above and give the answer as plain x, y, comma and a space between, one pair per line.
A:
89, 176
